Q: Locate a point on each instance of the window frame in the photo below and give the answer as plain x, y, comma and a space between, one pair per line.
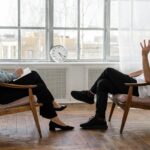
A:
106, 30
49, 30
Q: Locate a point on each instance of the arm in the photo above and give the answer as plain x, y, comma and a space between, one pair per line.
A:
136, 73
7, 76
146, 67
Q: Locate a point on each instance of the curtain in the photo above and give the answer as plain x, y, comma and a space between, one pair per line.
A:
134, 27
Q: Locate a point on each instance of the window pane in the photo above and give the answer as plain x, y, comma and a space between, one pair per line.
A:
141, 14
65, 13
33, 44
69, 40
114, 14
33, 13
92, 13
8, 44
125, 20
114, 45
8, 13
91, 44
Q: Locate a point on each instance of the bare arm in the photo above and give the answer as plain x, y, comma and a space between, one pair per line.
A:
136, 73
146, 67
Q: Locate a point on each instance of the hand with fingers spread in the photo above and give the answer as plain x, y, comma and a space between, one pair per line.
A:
145, 48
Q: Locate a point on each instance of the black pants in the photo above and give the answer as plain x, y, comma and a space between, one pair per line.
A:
42, 93
110, 81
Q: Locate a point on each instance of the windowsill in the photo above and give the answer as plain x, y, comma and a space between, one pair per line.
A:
54, 63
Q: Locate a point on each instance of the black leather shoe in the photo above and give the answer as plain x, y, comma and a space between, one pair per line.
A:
61, 108
53, 126
84, 96
95, 123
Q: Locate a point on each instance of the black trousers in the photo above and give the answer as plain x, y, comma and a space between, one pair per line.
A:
110, 81
42, 93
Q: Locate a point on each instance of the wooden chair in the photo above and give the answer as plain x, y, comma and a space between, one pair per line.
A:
21, 105
126, 101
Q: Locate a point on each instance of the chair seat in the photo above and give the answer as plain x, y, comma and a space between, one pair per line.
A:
136, 101
19, 102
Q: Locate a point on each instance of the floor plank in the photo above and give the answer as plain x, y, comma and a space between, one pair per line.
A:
18, 131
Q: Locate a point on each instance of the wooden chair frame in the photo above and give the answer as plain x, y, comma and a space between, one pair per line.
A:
31, 106
131, 101
128, 103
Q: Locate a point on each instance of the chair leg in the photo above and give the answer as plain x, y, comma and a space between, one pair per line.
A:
34, 112
126, 111
35, 116
111, 111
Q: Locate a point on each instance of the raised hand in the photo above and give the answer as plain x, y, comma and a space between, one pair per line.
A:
145, 47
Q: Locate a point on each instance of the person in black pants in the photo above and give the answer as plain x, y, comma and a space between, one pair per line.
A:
44, 96
112, 81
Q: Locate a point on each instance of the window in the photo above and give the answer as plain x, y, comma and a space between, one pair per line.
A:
89, 30
114, 43
29, 28
80, 28
23, 29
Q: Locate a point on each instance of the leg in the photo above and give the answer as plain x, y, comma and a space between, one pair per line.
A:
104, 86
45, 97
98, 122
111, 112
117, 78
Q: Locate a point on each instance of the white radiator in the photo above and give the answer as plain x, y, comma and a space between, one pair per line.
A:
55, 80
93, 74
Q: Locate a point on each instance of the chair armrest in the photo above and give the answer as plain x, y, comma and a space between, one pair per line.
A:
137, 84
17, 86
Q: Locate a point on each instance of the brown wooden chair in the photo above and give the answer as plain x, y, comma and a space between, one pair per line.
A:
126, 101
21, 105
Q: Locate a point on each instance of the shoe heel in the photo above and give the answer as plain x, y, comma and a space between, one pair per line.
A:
52, 128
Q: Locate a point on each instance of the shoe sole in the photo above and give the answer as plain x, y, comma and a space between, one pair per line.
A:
85, 101
92, 102
96, 127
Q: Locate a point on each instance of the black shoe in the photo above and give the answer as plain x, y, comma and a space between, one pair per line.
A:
95, 123
53, 125
61, 108
84, 96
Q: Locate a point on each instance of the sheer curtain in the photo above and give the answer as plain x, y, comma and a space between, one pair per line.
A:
134, 27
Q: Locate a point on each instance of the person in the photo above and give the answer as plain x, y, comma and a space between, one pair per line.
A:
44, 96
112, 81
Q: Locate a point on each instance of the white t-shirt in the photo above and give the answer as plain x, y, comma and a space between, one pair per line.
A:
144, 91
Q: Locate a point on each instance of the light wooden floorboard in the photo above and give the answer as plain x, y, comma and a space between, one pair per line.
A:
18, 131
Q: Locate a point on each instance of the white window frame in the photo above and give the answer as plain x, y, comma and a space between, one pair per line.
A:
49, 28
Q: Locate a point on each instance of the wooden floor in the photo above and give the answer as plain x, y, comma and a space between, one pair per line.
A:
18, 132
